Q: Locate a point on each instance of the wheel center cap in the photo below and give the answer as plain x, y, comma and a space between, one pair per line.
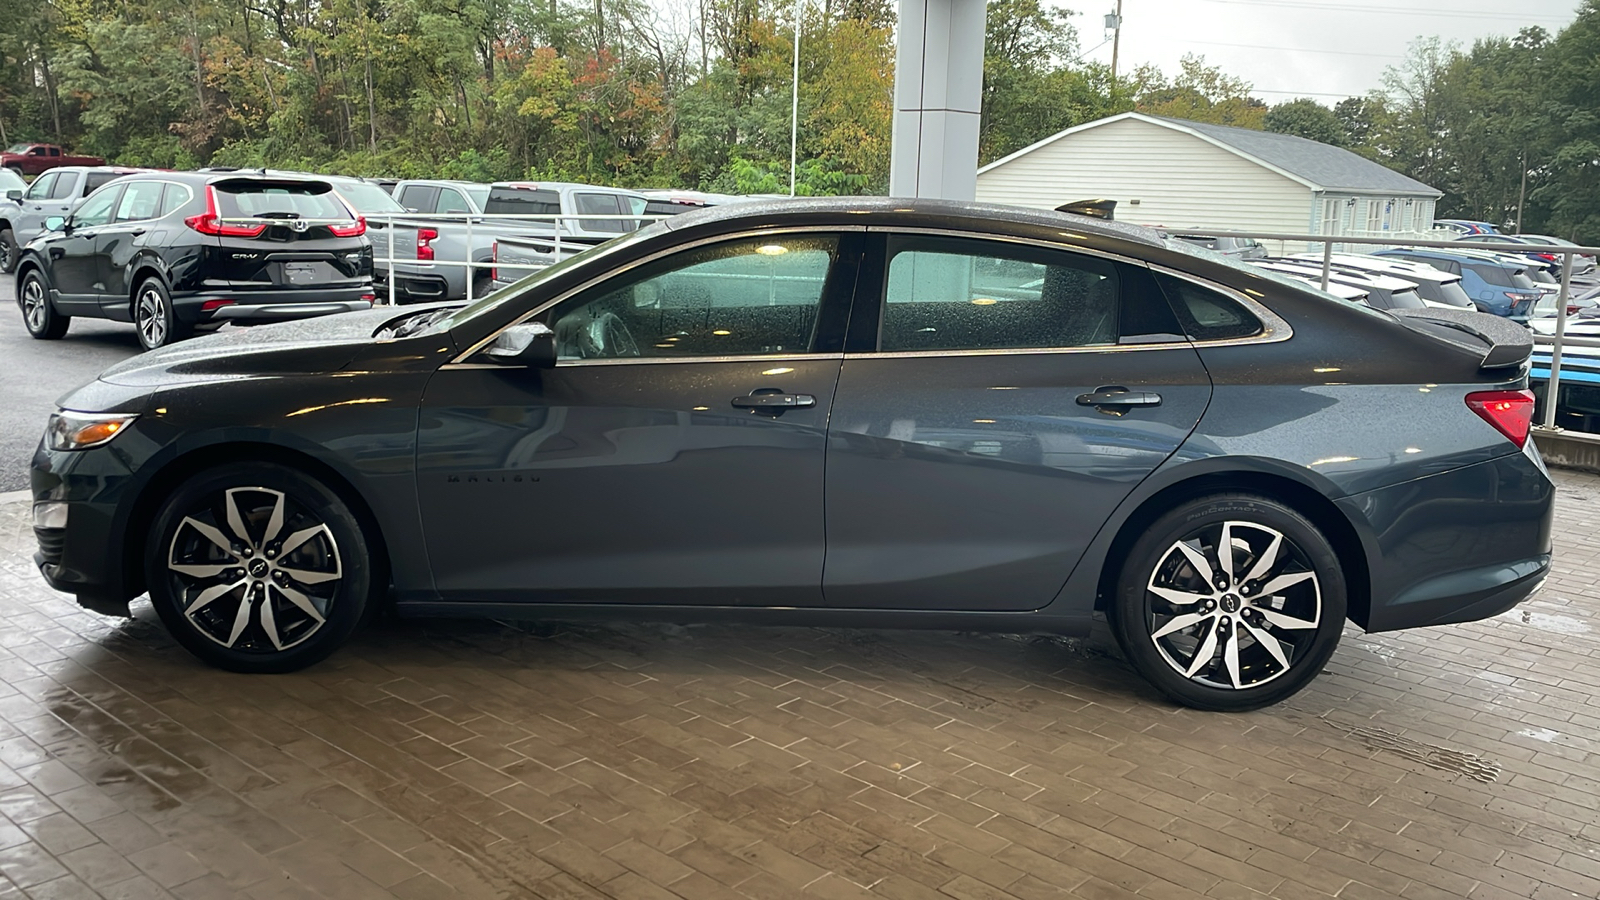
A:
1230, 602
258, 568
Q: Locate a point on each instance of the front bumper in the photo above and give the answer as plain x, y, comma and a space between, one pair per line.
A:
1458, 546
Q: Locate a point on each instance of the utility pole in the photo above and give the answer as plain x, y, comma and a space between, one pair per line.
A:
1522, 192
1114, 22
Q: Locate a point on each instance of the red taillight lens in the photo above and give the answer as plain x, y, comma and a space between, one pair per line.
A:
1510, 412
424, 248
354, 229
210, 223
494, 254
212, 305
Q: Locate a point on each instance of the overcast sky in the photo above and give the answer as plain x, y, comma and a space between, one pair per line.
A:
1327, 49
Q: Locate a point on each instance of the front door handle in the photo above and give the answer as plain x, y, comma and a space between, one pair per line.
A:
773, 402
1117, 400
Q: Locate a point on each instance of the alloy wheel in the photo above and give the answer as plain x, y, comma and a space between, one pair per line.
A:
152, 317
1233, 605
6, 262
34, 311
254, 571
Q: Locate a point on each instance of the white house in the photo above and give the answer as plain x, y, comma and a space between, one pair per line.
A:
1195, 176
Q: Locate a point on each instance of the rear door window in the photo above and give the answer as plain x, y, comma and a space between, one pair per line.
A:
65, 187
419, 197
1492, 274
140, 200
599, 205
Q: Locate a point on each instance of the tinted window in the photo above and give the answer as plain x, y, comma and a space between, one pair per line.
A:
1452, 293
278, 200
745, 298
419, 197
97, 209
65, 186
523, 201
173, 198
140, 200
972, 295
1492, 274
94, 180
40, 189
451, 201
1207, 315
669, 208
599, 205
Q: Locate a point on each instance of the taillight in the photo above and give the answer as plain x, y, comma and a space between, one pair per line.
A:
424, 236
354, 229
210, 223
1510, 412
494, 254
213, 305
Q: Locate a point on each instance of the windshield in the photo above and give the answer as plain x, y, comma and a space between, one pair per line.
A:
18, 148
11, 181
368, 199
593, 256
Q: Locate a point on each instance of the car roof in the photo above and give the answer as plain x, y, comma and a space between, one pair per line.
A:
1358, 279
1383, 264
564, 186
1462, 255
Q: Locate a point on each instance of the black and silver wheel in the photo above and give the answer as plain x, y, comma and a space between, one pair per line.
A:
38, 316
154, 318
8, 251
1230, 602
256, 567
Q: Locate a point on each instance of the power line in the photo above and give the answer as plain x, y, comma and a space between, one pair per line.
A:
1256, 90
1283, 49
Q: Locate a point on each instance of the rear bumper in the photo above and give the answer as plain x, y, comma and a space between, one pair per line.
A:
250, 306
1458, 546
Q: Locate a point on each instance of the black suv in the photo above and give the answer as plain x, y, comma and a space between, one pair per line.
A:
173, 251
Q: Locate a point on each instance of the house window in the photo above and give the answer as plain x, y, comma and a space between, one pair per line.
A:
1407, 215
1374, 216
1330, 216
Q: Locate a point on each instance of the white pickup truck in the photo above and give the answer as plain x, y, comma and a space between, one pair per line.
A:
445, 213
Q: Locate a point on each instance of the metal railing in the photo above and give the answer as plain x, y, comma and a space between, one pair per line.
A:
1557, 342
559, 232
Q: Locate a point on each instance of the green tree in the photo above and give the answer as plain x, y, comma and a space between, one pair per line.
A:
1309, 119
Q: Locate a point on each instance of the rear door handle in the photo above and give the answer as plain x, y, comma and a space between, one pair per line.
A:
1119, 398
774, 402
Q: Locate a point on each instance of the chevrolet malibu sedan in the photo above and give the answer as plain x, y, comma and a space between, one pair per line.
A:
874, 413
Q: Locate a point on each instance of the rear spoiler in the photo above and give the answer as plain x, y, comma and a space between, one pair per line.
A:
1503, 343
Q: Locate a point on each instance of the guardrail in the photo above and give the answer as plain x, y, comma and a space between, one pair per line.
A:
559, 231
1557, 342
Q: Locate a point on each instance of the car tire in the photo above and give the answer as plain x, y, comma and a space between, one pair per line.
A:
38, 316
1230, 631
258, 567
154, 318
9, 251
482, 286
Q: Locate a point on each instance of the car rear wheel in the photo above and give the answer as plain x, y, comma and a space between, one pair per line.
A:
1230, 602
38, 316
154, 318
8, 251
258, 567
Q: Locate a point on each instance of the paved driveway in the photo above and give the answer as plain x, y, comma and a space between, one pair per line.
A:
480, 760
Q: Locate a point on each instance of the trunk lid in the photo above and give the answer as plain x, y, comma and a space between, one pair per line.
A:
284, 234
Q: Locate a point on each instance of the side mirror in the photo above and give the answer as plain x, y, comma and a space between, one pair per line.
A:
55, 223
530, 344
14, 195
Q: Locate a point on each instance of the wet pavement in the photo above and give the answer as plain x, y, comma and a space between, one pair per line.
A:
479, 759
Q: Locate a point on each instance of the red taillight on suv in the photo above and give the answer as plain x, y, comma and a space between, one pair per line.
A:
494, 255
210, 223
354, 229
1510, 412
424, 237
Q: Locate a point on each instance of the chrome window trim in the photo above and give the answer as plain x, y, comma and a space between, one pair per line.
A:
460, 359
672, 360
1004, 239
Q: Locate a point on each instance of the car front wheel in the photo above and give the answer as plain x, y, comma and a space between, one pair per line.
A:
1230, 602
38, 316
257, 567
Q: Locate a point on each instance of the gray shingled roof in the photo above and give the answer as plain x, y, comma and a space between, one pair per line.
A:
1330, 168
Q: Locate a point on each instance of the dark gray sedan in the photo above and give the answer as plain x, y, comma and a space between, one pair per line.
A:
876, 413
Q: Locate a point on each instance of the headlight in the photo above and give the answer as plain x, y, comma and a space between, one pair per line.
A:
79, 431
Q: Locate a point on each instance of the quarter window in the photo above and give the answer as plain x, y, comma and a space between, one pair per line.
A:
743, 298
140, 200
1207, 315
175, 196
972, 295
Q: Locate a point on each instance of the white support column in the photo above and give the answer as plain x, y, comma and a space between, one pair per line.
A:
938, 90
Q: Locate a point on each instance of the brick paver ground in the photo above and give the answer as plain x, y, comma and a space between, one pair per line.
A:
479, 760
